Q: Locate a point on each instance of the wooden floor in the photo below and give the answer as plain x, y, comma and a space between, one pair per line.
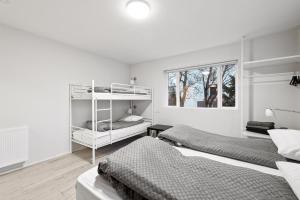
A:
51, 180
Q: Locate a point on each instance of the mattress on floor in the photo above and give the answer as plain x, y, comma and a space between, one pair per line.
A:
103, 138
90, 185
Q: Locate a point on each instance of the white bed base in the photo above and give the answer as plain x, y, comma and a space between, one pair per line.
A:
84, 136
118, 91
92, 186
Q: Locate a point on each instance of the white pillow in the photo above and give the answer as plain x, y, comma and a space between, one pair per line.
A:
291, 173
287, 142
132, 118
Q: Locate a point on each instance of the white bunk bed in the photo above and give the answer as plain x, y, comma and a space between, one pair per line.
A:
95, 139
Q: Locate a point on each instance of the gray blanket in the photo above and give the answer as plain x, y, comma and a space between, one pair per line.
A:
105, 126
256, 151
152, 169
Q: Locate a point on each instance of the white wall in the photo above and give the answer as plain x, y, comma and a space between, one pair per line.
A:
34, 78
276, 94
219, 121
298, 40
227, 122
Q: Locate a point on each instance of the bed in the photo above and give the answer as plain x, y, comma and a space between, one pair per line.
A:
256, 151
154, 169
105, 96
91, 186
85, 136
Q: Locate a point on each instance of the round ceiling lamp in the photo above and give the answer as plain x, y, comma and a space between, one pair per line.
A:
138, 9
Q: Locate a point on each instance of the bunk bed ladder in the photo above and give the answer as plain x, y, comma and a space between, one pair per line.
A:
106, 120
95, 126
94, 119
110, 116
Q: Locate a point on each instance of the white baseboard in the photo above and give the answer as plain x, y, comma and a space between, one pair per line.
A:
34, 163
47, 159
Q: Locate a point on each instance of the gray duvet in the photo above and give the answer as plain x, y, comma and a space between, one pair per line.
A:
256, 151
105, 126
152, 169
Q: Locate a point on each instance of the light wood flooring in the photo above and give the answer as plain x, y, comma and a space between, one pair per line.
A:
51, 180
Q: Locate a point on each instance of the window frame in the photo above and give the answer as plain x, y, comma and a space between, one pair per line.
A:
167, 88
236, 88
220, 86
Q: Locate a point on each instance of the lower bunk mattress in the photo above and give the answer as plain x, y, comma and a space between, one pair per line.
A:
90, 185
85, 136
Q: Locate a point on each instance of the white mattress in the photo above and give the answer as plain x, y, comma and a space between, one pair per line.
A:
91, 186
85, 136
267, 170
112, 96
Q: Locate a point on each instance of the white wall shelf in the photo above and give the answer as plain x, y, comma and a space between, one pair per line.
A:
281, 62
272, 61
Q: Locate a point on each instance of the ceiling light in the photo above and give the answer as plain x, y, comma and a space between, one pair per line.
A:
138, 9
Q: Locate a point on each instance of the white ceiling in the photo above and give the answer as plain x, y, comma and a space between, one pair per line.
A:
173, 27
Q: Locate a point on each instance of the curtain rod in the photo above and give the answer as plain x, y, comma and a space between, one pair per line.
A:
202, 65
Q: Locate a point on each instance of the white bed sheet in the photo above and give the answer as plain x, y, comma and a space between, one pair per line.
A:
91, 186
267, 170
103, 138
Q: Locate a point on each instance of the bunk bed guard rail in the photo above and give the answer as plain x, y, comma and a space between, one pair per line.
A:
130, 89
83, 91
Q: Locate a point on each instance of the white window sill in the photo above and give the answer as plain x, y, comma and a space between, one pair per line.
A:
203, 108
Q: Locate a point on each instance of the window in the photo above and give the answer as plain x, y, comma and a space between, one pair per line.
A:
199, 86
228, 85
172, 79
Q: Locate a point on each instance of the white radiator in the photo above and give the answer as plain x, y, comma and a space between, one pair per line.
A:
13, 146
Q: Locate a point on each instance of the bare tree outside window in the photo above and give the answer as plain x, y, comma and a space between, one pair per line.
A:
198, 87
187, 81
228, 85
172, 89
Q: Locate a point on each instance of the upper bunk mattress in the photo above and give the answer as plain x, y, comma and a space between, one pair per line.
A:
118, 90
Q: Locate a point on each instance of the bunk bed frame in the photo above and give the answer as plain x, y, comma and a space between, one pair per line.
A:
117, 91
